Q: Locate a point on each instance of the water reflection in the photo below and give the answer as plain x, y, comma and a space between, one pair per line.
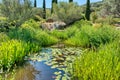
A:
26, 73
43, 65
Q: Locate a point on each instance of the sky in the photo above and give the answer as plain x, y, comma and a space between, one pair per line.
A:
48, 2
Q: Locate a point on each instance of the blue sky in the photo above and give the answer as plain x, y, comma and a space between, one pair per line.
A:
48, 2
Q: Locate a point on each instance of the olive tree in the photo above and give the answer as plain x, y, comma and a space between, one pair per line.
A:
67, 12
16, 11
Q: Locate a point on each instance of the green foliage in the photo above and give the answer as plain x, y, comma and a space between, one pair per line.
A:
15, 11
21, 41
64, 34
66, 12
89, 36
53, 2
30, 32
94, 17
31, 23
45, 39
3, 24
3, 37
12, 52
59, 34
101, 65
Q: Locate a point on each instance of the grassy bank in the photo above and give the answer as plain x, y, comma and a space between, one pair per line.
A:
91, 37
21, 41
98, 65
101, 61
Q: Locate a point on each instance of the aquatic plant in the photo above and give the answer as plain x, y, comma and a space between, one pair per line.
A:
13, 52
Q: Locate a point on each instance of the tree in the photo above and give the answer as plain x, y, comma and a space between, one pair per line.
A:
44, 9
88, 11
67, 12
53, 2
15, 11
35, 3
70, 0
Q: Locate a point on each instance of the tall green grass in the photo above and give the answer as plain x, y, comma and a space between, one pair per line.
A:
89, 36
12, 52
19, 42
32, 35
64, 34
3, 37
101, 65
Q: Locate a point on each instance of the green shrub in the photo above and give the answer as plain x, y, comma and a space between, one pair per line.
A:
94, 17
66, 12
101, 65
12, 52
3, 37
15, 12
64, 34
59, 34
45, 39
80, 38
32, 35
89, 36
25, 34
31, 23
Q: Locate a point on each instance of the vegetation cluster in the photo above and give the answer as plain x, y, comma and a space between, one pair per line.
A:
91, 27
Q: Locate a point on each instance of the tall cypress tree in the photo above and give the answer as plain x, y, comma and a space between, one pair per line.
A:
88, 11
56, 1
70, 1
35, 3
53, 1
44, 9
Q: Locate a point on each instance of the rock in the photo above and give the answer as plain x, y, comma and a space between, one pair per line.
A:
48, 26
53, 25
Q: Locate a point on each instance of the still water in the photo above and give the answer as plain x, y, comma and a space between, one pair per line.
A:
48, 64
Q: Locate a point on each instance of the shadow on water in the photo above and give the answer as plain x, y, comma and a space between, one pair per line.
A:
46, 65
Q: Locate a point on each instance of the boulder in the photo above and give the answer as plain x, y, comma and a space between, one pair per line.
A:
53, 25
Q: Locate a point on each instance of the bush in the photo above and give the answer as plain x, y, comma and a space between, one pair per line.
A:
31, 23
94, 17
89, 36
12, 52
4, 25
101, 65
59, 34
16, 12
3, 37
31, 34
67, 13
64, 34
45, 39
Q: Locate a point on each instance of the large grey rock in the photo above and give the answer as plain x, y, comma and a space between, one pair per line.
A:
53, 25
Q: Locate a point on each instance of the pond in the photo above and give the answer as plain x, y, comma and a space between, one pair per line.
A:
48, 64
